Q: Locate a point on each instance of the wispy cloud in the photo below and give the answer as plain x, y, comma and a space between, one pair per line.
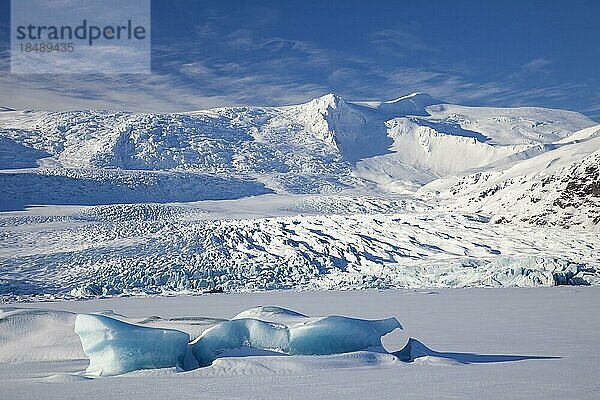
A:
251, 69
398, 39
536, 64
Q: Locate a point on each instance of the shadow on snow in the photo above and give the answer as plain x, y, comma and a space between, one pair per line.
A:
414, 349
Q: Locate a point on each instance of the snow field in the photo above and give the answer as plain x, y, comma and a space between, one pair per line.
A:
470, 343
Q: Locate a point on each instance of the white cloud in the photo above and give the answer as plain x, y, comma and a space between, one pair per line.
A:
258, 70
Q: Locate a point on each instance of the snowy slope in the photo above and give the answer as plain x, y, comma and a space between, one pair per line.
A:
444, 139
225, 140
560, 186
421, 153
513, 125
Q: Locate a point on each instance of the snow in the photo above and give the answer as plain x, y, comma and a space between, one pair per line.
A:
272, 314
149, 250
115, 347
448, 139
324, 146
87, 258
428, 151
330, 194
467, 343
37, 335
92, 187
411, 104
557, 186
315, 207
522, 125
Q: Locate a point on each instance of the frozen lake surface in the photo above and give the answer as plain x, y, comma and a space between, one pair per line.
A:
533, 343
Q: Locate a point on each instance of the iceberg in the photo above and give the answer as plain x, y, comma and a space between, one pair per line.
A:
329, 335
335, 334
239, 333
276, 314
115, 347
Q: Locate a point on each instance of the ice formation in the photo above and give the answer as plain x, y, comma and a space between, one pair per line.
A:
115, 347
336, 334
235, 334
329, 335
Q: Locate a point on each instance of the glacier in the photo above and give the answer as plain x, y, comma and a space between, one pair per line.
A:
116, 347
329, 194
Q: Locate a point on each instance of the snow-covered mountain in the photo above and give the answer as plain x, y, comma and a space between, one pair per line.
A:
326, 145
331, 193
552, 184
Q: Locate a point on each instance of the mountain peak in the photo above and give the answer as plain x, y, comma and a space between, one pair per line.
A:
326, 104
418, 100
331, 100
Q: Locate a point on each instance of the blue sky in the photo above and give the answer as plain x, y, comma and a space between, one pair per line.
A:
209, 53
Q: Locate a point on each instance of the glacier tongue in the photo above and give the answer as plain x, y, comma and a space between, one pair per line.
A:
116, 347
322, 195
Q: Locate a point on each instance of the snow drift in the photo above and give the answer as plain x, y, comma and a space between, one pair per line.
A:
37, 335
